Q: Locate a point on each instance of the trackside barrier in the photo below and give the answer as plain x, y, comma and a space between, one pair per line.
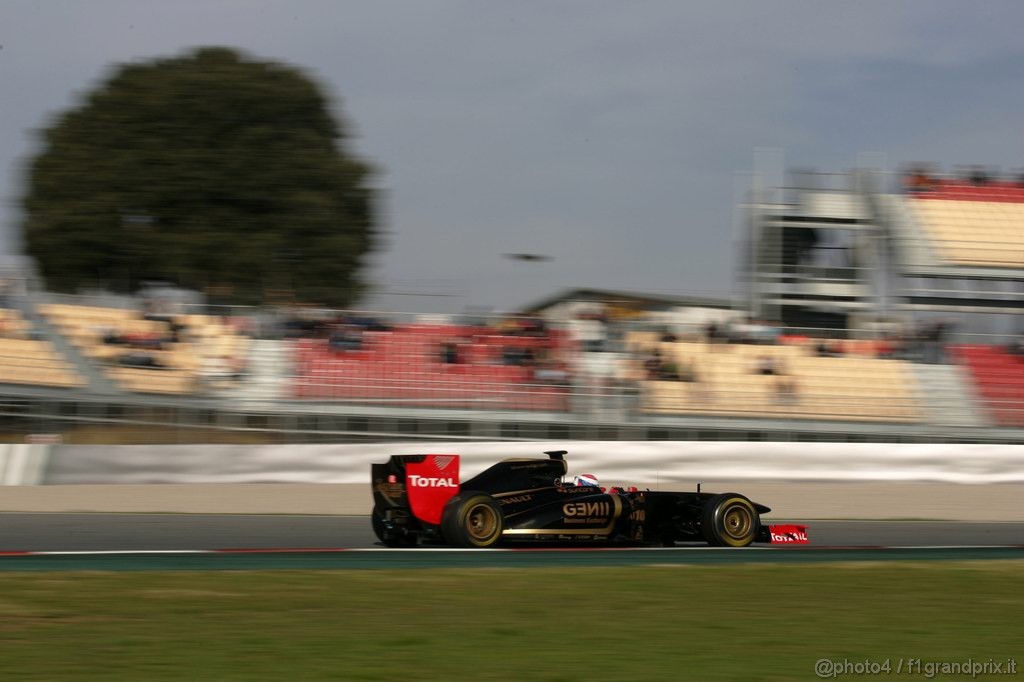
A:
650, 463
22, 464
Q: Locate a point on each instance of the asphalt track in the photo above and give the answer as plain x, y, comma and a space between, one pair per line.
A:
149, 532
251, 542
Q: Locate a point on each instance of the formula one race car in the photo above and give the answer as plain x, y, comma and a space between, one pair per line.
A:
419, 499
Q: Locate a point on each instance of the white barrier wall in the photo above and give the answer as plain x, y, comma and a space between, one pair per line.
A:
22, 464
646, 463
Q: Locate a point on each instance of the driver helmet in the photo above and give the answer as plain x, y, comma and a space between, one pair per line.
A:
586, 480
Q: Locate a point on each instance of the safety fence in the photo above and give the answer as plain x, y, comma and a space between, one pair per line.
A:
652, 464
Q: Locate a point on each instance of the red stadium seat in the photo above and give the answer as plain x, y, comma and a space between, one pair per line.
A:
1000, 380
405, 364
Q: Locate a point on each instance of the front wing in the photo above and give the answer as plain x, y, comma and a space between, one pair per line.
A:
784, 534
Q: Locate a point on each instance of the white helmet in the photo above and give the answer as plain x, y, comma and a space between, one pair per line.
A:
586, 481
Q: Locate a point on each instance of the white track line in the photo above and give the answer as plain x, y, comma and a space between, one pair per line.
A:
445, 550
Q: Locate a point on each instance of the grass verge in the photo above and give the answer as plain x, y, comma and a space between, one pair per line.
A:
769, 622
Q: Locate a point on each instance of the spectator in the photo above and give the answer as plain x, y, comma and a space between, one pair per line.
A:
368, 324
721, 333
770, 332
688, 373
978, 176
917, 179
344, 338
1016, 347
533, 326
140, 360
886, 347
829, 349
652, 364
767, 366
177, 331
933, 338
221, 367
148, 341
745, 331
513, 356
656, 368
668, 371
449, 352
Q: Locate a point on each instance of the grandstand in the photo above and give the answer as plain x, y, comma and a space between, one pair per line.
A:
968, 259
147, 354
834, 343
957, 247
431, 365
999, 378
935, 245
28, 360
781, 381
972, 232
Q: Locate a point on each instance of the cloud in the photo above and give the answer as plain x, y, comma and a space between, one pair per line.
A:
608, 134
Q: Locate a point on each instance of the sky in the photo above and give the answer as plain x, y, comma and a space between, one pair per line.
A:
614, 137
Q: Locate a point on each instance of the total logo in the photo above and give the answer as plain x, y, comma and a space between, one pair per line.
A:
431, 482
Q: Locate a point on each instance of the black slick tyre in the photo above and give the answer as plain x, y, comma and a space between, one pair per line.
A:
473, 520
729, 520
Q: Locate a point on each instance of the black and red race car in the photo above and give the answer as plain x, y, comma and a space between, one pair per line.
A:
419, 499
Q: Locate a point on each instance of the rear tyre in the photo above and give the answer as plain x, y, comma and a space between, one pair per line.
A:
729, 520
377, 521
473, 520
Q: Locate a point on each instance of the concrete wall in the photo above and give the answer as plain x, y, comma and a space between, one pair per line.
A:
798, 480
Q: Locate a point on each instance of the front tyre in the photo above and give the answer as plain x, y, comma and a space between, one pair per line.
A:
473, 520
729, 520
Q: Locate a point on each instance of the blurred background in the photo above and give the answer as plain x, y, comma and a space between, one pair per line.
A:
341, 223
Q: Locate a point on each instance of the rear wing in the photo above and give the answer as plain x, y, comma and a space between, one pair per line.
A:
420, 484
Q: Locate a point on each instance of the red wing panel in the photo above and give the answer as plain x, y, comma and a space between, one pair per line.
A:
430, 484
788, 535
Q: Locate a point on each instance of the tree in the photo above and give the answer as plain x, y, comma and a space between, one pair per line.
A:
210, 170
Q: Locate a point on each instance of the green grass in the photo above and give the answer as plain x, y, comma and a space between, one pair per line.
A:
769, 622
